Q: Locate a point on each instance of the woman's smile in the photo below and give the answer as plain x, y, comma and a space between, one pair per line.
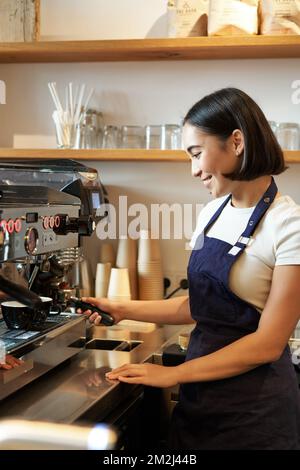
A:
206, 181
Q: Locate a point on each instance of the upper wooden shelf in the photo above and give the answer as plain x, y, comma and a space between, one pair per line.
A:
126, 155
245, 47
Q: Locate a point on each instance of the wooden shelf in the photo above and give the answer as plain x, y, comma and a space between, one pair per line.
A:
126, 155
244, 47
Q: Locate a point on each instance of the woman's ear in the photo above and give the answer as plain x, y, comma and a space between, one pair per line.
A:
238, 142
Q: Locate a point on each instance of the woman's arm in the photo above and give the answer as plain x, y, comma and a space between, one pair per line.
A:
278, 321
174, 311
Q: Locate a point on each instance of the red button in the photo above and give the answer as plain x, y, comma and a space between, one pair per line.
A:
46, 223
57, 221
51, 221
18, 225
10, 226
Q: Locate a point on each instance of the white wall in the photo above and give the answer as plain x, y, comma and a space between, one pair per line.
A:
141, 93
87, 19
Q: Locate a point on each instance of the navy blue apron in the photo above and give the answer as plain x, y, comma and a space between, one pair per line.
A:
259, 409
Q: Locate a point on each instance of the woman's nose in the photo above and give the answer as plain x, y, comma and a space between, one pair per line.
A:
196, 170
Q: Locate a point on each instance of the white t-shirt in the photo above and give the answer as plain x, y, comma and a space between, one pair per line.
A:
276, 241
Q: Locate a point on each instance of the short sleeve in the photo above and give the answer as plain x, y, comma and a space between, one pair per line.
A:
288, 242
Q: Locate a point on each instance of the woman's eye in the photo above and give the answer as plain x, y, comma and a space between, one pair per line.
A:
197, 155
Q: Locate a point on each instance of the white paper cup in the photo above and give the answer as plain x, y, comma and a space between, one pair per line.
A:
127, 258
119, 285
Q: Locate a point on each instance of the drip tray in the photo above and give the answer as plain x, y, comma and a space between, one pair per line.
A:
106, 344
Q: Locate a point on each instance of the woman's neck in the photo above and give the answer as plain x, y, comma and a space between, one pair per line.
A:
248, 193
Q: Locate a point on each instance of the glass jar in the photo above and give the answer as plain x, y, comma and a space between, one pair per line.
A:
288, 135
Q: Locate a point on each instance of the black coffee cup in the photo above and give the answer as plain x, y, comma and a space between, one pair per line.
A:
19, 316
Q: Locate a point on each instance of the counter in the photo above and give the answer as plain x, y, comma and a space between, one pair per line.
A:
77, 391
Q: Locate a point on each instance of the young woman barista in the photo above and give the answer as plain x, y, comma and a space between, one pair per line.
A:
238, 385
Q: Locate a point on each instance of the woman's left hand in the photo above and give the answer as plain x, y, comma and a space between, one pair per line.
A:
146, 374
11, 362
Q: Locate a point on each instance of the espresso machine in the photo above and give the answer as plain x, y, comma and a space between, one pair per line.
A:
46, 207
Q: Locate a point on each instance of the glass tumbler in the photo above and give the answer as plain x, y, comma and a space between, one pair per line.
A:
65, 130
153, 137
288, 135
90, 131
110, 137
132, 137
171, 137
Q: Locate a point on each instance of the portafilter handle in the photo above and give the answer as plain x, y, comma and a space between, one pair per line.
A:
20, 293
106, 319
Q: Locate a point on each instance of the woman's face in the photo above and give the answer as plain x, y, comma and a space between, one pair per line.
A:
211, 158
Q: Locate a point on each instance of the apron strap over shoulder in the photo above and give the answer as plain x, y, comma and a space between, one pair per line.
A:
256, 216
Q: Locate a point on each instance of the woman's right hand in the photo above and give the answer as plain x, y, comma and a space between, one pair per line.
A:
113, 308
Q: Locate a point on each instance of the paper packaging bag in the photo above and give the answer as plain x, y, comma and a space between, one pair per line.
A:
280, 17
187, 18
233, 17
19, 20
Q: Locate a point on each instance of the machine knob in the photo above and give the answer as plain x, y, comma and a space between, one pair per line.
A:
83, 225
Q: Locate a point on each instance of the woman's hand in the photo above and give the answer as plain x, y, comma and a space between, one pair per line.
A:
146, 374
11, 362
113, 308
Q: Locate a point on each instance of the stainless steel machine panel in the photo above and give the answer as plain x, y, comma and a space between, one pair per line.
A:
30, 231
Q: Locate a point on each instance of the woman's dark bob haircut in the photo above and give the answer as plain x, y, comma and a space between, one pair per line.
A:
223, 111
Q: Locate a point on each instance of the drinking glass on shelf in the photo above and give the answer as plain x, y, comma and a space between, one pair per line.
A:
288, 135
153, 135
65, 130
132, 137
91, 129
171, 137
110, 137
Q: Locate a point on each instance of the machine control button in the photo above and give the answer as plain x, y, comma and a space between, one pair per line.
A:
46, 223
18, 225
31, 240
51, 222
57, 221
10, 226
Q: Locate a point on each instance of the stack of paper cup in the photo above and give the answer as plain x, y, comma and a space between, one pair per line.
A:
150, 272
119, 286
127, 258
102, 279
107, 254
